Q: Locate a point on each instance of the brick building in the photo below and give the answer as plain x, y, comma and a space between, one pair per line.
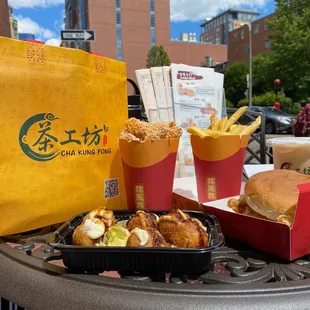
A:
216, 30
5, 27
126, 30
238, 42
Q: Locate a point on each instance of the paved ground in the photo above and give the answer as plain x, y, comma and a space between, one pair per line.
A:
255, 146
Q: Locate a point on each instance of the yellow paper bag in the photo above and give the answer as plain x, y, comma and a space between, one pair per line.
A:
62, 111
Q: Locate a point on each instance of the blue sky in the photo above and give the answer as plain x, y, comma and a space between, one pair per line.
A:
44, 18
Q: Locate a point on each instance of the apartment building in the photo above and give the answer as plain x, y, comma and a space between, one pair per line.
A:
238, 42
5, 27
216, 30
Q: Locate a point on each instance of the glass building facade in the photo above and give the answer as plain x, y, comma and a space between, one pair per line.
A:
26, 36
119, 46
152, 22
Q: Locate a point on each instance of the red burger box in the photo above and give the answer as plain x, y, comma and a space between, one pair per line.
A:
274, 238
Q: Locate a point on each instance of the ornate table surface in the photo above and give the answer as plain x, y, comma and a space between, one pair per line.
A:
241, 277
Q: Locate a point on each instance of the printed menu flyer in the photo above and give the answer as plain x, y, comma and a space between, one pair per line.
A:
197, 94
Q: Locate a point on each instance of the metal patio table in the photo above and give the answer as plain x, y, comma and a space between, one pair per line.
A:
241, 277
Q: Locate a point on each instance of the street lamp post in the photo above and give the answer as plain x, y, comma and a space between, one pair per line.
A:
250, 65
250, 92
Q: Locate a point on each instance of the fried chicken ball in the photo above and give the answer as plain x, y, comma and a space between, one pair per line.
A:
103, 214
169, 222
89, 232
142, 220
189, 234
146, 238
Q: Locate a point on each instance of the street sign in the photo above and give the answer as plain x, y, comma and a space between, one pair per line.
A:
78, 35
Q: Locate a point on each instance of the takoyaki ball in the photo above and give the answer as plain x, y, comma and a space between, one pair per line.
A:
169, 222
143, 220
190, 234
89, 232
103, 214
146, 238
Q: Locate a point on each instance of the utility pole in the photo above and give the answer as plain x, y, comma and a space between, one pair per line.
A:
250, 65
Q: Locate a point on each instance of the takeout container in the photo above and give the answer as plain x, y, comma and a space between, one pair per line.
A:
80, 259
149, 172
218, 165
274, 238
291, 153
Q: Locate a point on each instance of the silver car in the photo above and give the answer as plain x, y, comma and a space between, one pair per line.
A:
276, 121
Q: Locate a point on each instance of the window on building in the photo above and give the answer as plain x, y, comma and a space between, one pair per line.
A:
152, 20
247, 48
256, 29
152, 5
237, 51
153, 36
118, 17
267, 43
235, 37
119, 43
266, 27
73, 18
234, 15
242, 34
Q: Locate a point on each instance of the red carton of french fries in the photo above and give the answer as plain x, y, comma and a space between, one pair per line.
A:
149, 153
218, 152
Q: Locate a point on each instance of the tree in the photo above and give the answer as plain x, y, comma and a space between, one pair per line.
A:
263, 74
290, 42
157, 57
235, 82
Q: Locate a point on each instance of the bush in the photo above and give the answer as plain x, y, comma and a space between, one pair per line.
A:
294, 108
243, 102
268, 99
229, 104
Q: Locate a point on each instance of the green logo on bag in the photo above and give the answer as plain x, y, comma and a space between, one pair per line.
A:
38, 142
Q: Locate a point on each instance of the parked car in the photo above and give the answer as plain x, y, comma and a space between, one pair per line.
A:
276, 121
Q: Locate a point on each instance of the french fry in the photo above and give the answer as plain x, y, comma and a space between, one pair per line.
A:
250, 129
214, 122
215, 134
237, 130
197, 131
235, 116
222, 124
232, 128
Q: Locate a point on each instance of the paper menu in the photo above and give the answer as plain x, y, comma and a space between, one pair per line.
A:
197, 94
145, 82
160, 93
168, 89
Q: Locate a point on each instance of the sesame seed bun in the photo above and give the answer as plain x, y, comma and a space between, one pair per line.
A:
274, 193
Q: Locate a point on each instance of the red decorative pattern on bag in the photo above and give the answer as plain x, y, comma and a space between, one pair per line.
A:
36, 52
100, 65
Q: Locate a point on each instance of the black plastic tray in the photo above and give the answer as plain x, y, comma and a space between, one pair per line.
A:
137, 259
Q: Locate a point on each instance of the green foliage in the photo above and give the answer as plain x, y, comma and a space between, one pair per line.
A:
229, 104
157, 57
235, 82
295, 108
263, 74
268, 99
243, 102
290, 41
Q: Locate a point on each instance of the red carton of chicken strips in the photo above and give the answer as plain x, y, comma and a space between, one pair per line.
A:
149, 153
272, 215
